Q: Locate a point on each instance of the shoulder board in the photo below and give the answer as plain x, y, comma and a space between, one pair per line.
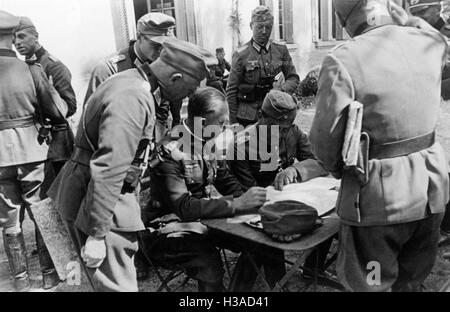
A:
243, 48
117, 58
337, 47
52, 58
279, 43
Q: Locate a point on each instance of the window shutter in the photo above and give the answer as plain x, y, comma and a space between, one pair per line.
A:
288, 21
120, 23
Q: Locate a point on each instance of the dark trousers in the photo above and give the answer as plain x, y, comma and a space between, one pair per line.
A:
402, 254
117, 272
193, 253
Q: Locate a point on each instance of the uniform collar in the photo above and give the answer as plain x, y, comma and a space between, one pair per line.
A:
7, 53
39, 53
259, 47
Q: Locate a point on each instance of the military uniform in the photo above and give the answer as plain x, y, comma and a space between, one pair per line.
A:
25, 95
400, 207
93, 192
293, 149
217, 77
253, 70
62, 137
88, 191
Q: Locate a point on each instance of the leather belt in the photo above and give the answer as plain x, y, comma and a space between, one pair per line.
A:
60, 127
81, 156
402, 148
17, 123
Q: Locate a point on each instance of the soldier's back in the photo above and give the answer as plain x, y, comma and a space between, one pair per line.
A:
17, 105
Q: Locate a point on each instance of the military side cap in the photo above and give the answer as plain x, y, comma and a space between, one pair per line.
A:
278, 104
8, 22
420, 5
188, 58
262, 14
25, 23
288, 218
156, 24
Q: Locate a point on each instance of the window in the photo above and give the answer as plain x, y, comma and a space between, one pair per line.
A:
182, 10
163, 6
326, 25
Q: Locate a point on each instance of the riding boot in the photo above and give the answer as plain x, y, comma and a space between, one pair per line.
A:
15, 251
50, 277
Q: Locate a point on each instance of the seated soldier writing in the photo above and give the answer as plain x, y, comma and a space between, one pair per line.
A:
181, 194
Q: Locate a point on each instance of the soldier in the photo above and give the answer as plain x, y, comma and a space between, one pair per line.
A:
95, 190
437, 14
139, 51
278, 109
217, 79
26, 99
390, 219
181, 193
61, 145
27, 44
255, 68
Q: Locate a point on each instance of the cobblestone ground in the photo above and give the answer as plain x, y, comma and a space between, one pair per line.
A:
439, 276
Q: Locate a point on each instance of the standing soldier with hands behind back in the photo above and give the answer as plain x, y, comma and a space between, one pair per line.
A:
255, 68
26, 99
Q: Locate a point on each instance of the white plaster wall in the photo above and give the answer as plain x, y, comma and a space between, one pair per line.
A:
78, 32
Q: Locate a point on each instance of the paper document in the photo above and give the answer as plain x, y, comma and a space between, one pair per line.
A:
320, 193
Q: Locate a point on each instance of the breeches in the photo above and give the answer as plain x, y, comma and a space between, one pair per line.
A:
388, 258
19, 187
117, 272
193, 253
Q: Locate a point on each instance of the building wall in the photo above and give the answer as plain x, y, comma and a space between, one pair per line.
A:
78, 32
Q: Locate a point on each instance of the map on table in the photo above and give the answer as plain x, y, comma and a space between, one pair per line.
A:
320, 193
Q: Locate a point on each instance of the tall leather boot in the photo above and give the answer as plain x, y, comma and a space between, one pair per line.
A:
15, 251
50, 277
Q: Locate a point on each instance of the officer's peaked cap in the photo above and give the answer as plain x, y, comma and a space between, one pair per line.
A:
8, 23
156, 24
186, 57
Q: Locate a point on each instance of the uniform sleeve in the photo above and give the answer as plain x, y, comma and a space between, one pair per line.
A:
50, 104
241, 168
120, 130
227, 65
226, 183
335, 94
307, 166
290, 73
235, 79
178, 199
99, 75
62, 81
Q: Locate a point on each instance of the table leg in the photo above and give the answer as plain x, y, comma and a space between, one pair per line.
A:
292, 270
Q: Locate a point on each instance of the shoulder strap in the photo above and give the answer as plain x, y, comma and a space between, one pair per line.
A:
85, 134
